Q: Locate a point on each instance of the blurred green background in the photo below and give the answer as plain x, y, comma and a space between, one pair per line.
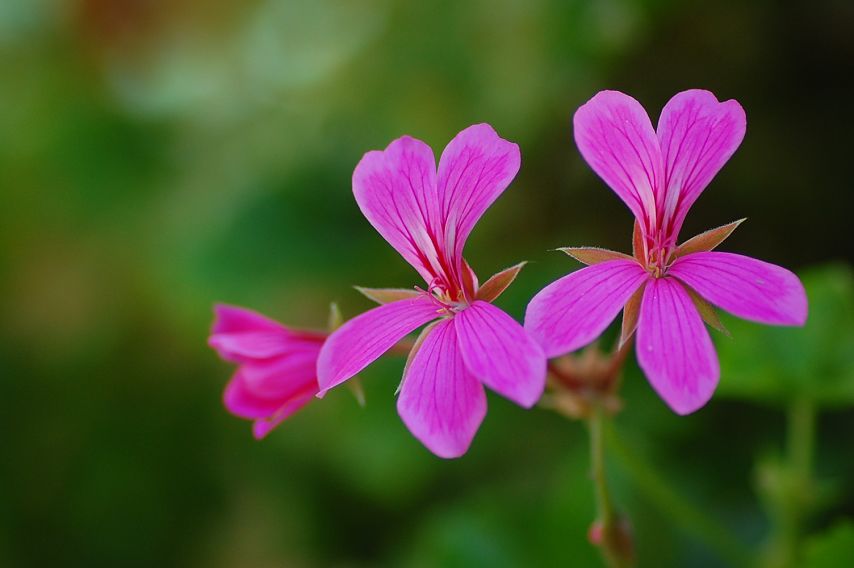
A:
157, 156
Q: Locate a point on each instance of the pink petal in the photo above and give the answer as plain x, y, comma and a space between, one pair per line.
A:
241, 401
616, 138
573, 311
360, 341
441, 402
240, 335
698, 135
744, 286
263, 426
476, 166
234, 319
282, 377
240, 347
674, 348
498, 351
396, 191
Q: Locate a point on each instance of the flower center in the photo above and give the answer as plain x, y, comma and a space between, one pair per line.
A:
659, 255
445, 297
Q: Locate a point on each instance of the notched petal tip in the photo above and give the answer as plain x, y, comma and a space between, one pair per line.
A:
708, 240
593, 255
498, 283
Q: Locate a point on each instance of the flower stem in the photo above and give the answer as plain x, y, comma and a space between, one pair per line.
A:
690, 518
794, 499
613, 538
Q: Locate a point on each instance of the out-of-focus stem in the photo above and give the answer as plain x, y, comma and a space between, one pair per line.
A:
613, 539
794, 499
690, 518
801, 436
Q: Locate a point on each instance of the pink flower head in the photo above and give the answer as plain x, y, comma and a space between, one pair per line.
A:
276, 373
664, 287
426, 215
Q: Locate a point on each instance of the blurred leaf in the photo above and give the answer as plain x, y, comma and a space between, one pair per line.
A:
831, 549
776, 363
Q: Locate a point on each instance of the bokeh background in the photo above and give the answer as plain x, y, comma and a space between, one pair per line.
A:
157, 156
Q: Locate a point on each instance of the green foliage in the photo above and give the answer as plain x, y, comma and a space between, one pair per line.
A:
157, 157
831, 549
777, 364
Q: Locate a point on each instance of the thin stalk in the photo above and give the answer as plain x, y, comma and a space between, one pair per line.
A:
795, 499
690, 518
614, 542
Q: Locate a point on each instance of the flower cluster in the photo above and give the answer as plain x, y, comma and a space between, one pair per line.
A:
665, 290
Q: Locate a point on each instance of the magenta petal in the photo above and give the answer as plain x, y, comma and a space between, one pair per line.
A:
476, 166
616, 138
233, 319
698, 135
501, 354
239, 334
282, 377
263, 426
357, 343
396, 191
744, 286
441, 402
573, 311
241, 401
238, 347
674, 348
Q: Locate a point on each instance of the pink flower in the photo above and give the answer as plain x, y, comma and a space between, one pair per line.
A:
664, 287
426, 216
276, 366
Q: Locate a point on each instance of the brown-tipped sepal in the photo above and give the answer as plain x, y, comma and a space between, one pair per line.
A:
638, 244
470, 284
707, 311
387, 295
354, 385
498, 282
708, 240
631, 312
335, 318
593, 255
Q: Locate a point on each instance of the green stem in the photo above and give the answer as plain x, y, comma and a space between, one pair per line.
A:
795, 499
604, 505
614, 543
688, 517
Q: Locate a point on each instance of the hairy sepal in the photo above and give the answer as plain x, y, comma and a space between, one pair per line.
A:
631, 311
639, 244
387, 295
708, 240
498, 282
593, 255
707, 311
